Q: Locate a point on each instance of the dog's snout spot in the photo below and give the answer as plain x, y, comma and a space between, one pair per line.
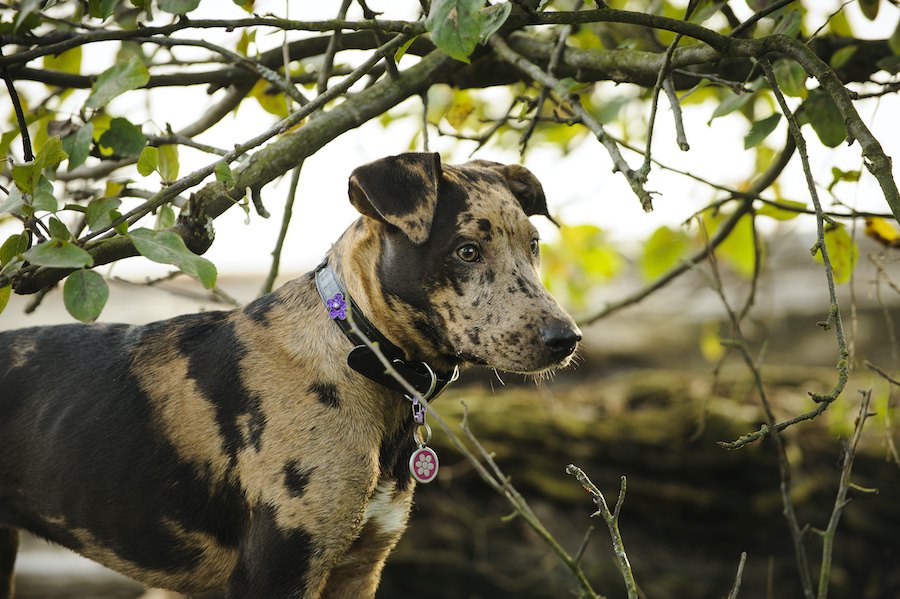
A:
560, 338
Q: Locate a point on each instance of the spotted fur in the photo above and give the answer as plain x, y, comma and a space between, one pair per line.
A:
236, 450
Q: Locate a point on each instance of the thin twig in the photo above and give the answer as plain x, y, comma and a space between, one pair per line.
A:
49, 45
333, 45
759, 15
269, 283
555, 58
736, 587
784, 467
834, 316
612, 523
675, 104
181, 140
255, 67
27, 152
840, 501
882, 373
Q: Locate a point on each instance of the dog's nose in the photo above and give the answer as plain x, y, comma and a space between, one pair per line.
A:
560, 338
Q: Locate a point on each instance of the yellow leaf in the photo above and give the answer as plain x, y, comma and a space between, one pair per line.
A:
711, 347
271, 100
66, 62
4, 296
842, 252
113, 188
458, 113
883, 232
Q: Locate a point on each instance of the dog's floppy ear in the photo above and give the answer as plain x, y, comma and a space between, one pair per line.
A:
523, 184
399, 190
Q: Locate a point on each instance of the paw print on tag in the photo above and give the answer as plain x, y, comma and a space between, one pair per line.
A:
424, 464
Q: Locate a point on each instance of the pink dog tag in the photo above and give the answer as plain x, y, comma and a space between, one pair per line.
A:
423, 464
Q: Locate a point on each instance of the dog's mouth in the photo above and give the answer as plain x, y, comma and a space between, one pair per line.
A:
537, 370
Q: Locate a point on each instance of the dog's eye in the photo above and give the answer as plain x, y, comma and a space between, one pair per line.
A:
535, 247
468, 252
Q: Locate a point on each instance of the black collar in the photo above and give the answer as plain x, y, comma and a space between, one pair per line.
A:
423, 378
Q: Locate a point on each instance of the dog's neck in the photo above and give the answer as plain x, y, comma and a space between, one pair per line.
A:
354, 258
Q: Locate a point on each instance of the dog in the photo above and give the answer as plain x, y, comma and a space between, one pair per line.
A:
267, 451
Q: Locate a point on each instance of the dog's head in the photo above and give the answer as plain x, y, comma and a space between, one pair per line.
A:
458, 262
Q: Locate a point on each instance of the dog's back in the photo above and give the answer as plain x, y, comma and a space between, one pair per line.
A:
80, 416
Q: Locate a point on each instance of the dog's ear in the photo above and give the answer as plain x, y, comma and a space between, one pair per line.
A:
524, 186
399, 190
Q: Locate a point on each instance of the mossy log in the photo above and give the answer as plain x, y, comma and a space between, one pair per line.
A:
691, 507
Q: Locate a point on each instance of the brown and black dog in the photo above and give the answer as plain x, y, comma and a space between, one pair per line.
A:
238, 450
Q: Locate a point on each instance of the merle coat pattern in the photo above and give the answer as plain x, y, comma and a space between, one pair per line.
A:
236, 450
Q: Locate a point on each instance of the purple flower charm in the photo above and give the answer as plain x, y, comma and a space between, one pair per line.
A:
337, 307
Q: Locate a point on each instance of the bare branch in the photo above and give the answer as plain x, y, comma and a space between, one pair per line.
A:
531, 70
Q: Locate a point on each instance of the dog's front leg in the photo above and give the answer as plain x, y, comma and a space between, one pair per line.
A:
359, 571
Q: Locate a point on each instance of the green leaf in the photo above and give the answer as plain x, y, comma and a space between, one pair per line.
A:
43, 198
50, 154
761, 130
894, 40
662, 251
224, 174
148, 160
12, 247
178, 7
791, 78
455, 26
245, 4
58, 254
4, 296
84, 294
492, 18
838, 175
123, 138
731, 103
58, 230
26, 176
14, 202
101, 9
167, 247
78, 145
890, 64
402, 49
168, 162
840, 58
26, 8
869, 8
842, 252
825, 118
117, 80
122, 227
165, 217
99, 214
789, 23
773, 211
